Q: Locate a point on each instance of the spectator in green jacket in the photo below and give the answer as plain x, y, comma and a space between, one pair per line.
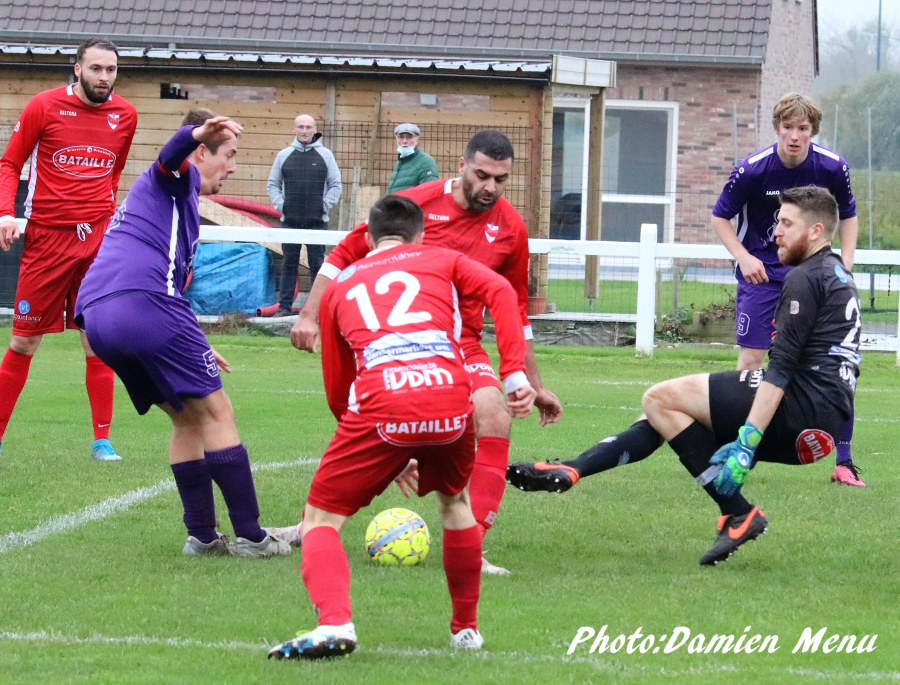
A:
413, 165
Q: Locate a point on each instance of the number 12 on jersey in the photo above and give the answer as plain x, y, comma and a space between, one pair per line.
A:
400, 314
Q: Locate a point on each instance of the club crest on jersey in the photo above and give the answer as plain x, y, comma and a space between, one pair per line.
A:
346, 273
813, 444
84, 161
491, 232
113, 120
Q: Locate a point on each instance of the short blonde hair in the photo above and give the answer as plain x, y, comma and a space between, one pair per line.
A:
796, 107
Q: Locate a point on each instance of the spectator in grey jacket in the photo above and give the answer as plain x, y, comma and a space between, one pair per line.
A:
304, 184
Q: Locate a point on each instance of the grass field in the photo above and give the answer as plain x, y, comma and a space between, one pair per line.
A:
94, 588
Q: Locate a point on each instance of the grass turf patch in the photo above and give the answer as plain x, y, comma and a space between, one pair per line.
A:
115, 601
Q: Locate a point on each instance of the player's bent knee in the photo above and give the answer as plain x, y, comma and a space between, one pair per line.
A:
313, 517
678, 394
491, 416
750, 359
27, 345
455, 510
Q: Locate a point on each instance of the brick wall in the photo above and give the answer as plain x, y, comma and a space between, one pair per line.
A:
707, 96
789, 63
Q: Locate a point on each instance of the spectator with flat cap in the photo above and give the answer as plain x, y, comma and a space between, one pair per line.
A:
413, 165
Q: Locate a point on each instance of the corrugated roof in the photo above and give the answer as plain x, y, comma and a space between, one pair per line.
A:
531, 29
327, 60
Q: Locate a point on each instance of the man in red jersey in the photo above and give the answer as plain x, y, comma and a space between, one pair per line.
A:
468, 214
78, 138
395, 379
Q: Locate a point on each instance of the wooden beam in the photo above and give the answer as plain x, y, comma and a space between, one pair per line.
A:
373, 143
594, 205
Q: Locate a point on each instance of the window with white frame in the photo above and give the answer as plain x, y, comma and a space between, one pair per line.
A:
639, 153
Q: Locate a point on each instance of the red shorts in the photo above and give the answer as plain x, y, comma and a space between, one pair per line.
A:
53, 264
478, 364
364, 457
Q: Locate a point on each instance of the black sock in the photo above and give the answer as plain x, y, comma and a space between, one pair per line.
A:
638, 442
694, 446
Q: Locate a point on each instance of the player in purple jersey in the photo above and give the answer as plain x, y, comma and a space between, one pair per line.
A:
752, 195
131, 309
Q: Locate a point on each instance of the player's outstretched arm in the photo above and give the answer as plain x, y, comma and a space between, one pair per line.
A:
9, 233
305, 332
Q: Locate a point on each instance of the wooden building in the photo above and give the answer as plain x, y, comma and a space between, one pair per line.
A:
696, 83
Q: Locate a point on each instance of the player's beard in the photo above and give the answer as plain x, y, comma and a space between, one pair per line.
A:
793, 255
472, 198
91, 94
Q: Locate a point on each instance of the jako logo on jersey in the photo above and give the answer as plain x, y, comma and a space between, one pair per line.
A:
773, 192
813, 444
24, 306
113, 120
491, 232
396, 380
346, 273
84, 161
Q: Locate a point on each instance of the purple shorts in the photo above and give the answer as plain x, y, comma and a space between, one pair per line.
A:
754, 316
154, 344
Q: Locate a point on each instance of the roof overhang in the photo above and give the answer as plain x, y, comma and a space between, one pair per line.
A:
379, 51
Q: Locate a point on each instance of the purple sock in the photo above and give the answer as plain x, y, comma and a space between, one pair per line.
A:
844, 439
230, 468
195, 487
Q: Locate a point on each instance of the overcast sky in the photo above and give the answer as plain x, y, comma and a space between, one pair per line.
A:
837, 15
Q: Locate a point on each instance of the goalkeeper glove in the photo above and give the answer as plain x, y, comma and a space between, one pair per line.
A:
736, 460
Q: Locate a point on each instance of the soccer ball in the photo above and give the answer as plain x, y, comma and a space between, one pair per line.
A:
398, 537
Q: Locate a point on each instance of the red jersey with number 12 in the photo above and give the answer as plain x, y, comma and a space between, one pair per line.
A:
77, 155
390, 326
496, 238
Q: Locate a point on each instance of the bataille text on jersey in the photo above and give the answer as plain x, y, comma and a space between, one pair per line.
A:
453, 425
84, 161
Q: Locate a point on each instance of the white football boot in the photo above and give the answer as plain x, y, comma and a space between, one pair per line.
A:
269, 546
290, 534
467, 639
321, 643
220, 546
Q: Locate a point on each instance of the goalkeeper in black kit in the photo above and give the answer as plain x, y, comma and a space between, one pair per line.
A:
721, 424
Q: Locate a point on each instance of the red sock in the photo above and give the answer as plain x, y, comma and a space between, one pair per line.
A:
462, 564
488, 479
100, 382
326, 574
13, 374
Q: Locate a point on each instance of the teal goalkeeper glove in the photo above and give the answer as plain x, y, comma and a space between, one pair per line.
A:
736, 459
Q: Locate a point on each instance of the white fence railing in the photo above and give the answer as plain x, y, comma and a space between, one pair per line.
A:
646, 252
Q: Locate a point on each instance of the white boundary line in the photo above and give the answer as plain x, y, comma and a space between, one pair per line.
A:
521, 657
60, 524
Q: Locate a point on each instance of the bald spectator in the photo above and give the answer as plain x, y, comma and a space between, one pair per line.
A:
413, 165
304, 184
